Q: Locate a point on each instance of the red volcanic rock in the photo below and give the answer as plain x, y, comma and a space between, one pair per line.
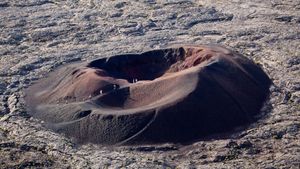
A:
169, 95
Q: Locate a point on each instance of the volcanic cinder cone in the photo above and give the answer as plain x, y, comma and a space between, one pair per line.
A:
176, 95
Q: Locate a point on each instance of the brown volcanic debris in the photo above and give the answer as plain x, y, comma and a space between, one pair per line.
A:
177, 94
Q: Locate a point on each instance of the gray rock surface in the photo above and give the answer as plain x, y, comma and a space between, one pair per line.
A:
38, 35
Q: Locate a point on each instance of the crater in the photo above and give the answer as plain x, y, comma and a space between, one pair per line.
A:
178, 95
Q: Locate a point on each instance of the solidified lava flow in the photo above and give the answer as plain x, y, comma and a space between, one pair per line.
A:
177, 95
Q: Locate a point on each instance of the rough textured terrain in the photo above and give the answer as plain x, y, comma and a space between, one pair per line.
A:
39, 35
